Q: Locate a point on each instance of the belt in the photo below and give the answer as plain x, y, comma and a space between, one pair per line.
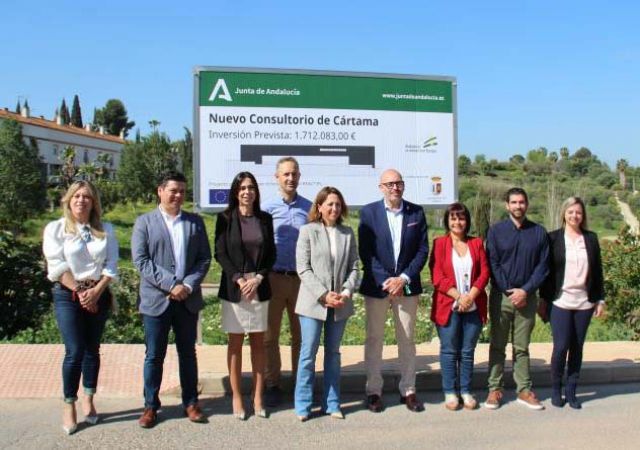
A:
289, 273
86, 284
82, 285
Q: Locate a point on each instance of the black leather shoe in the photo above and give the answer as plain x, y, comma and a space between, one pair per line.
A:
273, 396
412, 402
574, 403
374, 403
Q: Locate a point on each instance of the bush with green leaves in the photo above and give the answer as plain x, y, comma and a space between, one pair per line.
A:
125, 324
622, 281
24, 289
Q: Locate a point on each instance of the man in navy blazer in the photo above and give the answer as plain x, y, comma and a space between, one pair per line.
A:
393, 248
170, 249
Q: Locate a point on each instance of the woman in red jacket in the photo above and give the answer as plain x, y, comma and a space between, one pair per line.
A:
459, 272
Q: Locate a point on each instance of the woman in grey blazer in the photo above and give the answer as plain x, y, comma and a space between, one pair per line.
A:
327, 263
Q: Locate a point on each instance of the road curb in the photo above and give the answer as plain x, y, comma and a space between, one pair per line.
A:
217, 383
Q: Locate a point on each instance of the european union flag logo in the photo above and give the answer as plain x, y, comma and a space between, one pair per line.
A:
219, 196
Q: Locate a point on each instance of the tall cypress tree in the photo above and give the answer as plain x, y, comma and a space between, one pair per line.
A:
76, 114
18, 107
64, 113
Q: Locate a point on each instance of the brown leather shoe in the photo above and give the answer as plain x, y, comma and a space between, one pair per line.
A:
528, 399
194, 414
412, 402
374, 403
494, 399
148, 419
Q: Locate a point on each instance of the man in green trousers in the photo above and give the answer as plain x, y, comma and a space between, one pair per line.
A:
518, 252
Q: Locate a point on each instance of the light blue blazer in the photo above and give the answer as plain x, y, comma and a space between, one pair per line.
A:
152, 254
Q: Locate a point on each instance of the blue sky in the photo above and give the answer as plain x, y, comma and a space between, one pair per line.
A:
530, 73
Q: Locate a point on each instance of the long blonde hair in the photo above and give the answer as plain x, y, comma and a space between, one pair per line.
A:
95, 214
568, 203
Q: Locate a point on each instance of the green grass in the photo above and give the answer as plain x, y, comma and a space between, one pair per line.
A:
355, 333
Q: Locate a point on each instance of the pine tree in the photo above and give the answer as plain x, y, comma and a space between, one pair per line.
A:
114, 118
76, 113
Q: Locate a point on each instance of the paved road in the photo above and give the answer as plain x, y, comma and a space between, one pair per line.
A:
609, 420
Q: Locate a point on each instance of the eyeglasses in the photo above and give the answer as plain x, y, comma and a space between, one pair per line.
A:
393, 184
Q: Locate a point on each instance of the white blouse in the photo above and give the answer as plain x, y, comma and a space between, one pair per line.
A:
331, 234
462, 266
85, 260
574, 293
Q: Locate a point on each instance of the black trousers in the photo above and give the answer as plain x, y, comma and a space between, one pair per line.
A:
569, 329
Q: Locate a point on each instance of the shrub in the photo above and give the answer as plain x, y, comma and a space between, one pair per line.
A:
24, 289
622, 281
124, 326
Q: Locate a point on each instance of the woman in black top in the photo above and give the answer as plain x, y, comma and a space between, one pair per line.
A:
245, 248
572, 293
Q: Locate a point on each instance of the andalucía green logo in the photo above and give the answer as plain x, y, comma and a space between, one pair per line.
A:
220, 86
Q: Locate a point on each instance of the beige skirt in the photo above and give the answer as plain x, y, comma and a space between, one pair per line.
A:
246, 316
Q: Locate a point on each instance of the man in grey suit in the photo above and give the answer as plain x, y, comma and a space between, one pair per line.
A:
170, 249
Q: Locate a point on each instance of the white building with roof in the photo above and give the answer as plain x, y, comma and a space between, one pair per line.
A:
52, 138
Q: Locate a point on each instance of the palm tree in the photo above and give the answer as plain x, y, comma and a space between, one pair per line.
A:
88, 172
154, 124
621, 166
68, 170
564, 153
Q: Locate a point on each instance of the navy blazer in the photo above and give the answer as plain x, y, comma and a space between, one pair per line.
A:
376, 247
231, 254
552, 286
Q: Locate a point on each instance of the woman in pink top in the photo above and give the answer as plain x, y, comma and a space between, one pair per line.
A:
572, 293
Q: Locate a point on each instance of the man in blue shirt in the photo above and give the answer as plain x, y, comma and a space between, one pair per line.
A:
518, 252
289, 211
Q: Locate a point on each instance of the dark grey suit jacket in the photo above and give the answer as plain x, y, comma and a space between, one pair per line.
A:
152, 254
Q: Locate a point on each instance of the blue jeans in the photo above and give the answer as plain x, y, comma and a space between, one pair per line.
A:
458, 341
156, 339
81, 333
310, 330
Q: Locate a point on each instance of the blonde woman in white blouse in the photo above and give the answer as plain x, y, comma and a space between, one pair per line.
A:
82, 255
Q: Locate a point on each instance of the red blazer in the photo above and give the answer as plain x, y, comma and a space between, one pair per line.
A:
443, 277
